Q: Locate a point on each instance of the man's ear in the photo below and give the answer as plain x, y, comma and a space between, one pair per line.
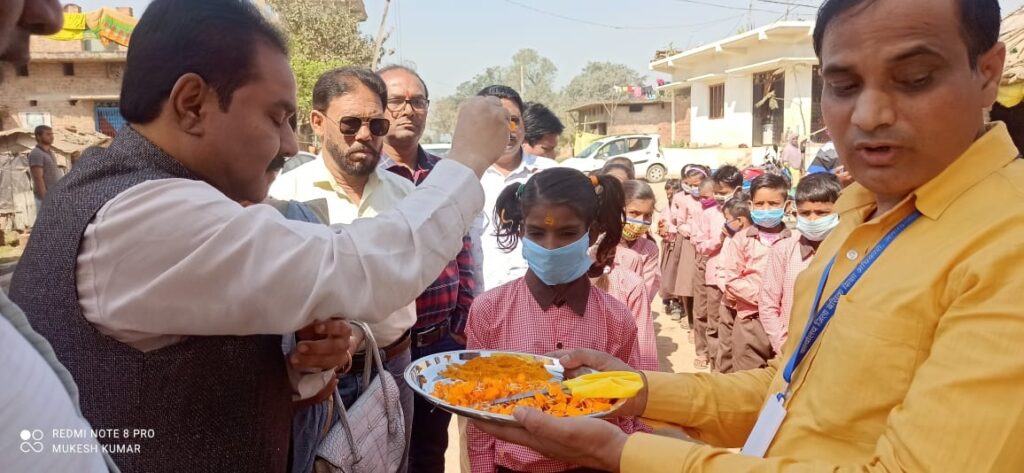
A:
990, 70
189, 96
316, 122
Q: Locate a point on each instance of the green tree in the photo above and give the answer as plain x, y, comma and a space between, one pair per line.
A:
321, 37
531, 74
597, 83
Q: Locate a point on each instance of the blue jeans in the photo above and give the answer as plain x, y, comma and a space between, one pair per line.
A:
430, 424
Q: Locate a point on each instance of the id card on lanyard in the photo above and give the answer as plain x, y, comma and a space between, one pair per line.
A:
774, 411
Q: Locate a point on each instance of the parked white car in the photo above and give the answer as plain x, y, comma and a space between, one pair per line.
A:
643, 150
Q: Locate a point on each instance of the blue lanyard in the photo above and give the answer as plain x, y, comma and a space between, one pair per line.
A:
820, 318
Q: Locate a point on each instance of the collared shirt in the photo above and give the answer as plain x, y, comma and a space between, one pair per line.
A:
573, 295
629, 288
451, 294
159, 259
708, 239
424, 163
741, 266
685, 209
510, 318
383, 192
492, 265
920, 368
785, 261
648, 266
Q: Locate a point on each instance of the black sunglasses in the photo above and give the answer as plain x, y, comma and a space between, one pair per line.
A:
350, 126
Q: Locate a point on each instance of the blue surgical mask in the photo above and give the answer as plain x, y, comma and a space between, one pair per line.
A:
769, 218
817, 230
695, 192
559, 266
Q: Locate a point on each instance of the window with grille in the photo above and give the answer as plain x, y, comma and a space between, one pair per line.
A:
716, 102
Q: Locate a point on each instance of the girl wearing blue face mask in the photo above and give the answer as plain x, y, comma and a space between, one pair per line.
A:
556, 217
743, 342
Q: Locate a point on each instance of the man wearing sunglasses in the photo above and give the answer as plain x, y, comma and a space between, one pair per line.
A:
348, 118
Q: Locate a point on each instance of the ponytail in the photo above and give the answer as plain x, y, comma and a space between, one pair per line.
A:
509, 217
611, 213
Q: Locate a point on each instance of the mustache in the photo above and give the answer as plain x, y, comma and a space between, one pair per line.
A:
359, 147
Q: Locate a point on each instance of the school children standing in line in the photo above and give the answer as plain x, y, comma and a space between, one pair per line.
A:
816, 196
639, 211
686, 205
743, 263
669, 251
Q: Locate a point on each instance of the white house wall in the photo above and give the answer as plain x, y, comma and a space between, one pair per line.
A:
799, 99
736, 127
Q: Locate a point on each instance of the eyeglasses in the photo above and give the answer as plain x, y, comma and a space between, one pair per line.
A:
350, 126
397, 104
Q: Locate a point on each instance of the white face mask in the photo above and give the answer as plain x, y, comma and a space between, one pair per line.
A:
817, 230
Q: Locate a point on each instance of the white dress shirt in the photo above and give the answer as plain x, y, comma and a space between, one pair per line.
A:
492, 266
384, 190
37, 396
173, 258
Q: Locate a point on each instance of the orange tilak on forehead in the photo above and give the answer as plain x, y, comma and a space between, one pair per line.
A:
549, 220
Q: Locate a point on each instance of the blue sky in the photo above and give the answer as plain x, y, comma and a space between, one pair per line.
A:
449, 41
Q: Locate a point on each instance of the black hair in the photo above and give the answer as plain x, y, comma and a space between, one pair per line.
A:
818, 187
540, 121
979, 23
770, 181
601, 207
729, 175
673, 185
738, 206
609, 167
399, 67
40, 130
503, 92
217, 40
637, 190
624, 162
335, 83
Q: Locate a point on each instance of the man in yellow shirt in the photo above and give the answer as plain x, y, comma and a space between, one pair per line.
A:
915, 360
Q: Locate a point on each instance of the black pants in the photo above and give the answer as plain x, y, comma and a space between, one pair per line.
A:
429, 424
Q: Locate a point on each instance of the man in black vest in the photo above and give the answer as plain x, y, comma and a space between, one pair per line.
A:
166, 299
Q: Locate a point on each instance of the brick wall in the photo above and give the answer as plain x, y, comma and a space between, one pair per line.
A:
51, 89
655, 118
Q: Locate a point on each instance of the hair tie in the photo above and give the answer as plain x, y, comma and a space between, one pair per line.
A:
598, 188
519, 191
